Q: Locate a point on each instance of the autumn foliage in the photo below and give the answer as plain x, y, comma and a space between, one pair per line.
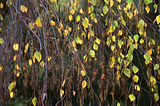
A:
80, 52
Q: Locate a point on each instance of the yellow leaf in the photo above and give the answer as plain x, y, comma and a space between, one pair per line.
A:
70, 29
23, 8
52, 22
53, 0
135, 78
31, 25
147, 9
1, 5
17, 67
1, 40
141, 41
61, 25
120, 32
156, 66
63, 83
158, 19
128, 6
1, 67
111, 3
149, 51
118, 75
119, 1
98, 41
17, 73
11, 94
38, 22
30, 62
135, 12
136, 87
83, 73
85, 58
13, 83
33, 58
113, 38
84, 84
26, 47
81, 11
95, 20
16, 47
49, 58
61, 92
70, 17
72, 11
34, 101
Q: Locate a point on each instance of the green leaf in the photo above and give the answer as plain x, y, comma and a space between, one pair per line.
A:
98, 41
135, 69
94, 2
132, 46
42, 64
106, 21
141, 23
147, 56
115, 23
155, 7
85, 22
118, 104
78, 18
156, 66
135, 78
153, 80
130, 57
10, 2
34, 101
105, 9
131, 97
78, 39
159, 71
92, 15
136, 37
130, 15
95, 47
123, 22
10, 87
120, 43
147, 2
129, 1
106, 1
1, 17
92, 53
156, 97
38, 56
1, 40
127, 72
